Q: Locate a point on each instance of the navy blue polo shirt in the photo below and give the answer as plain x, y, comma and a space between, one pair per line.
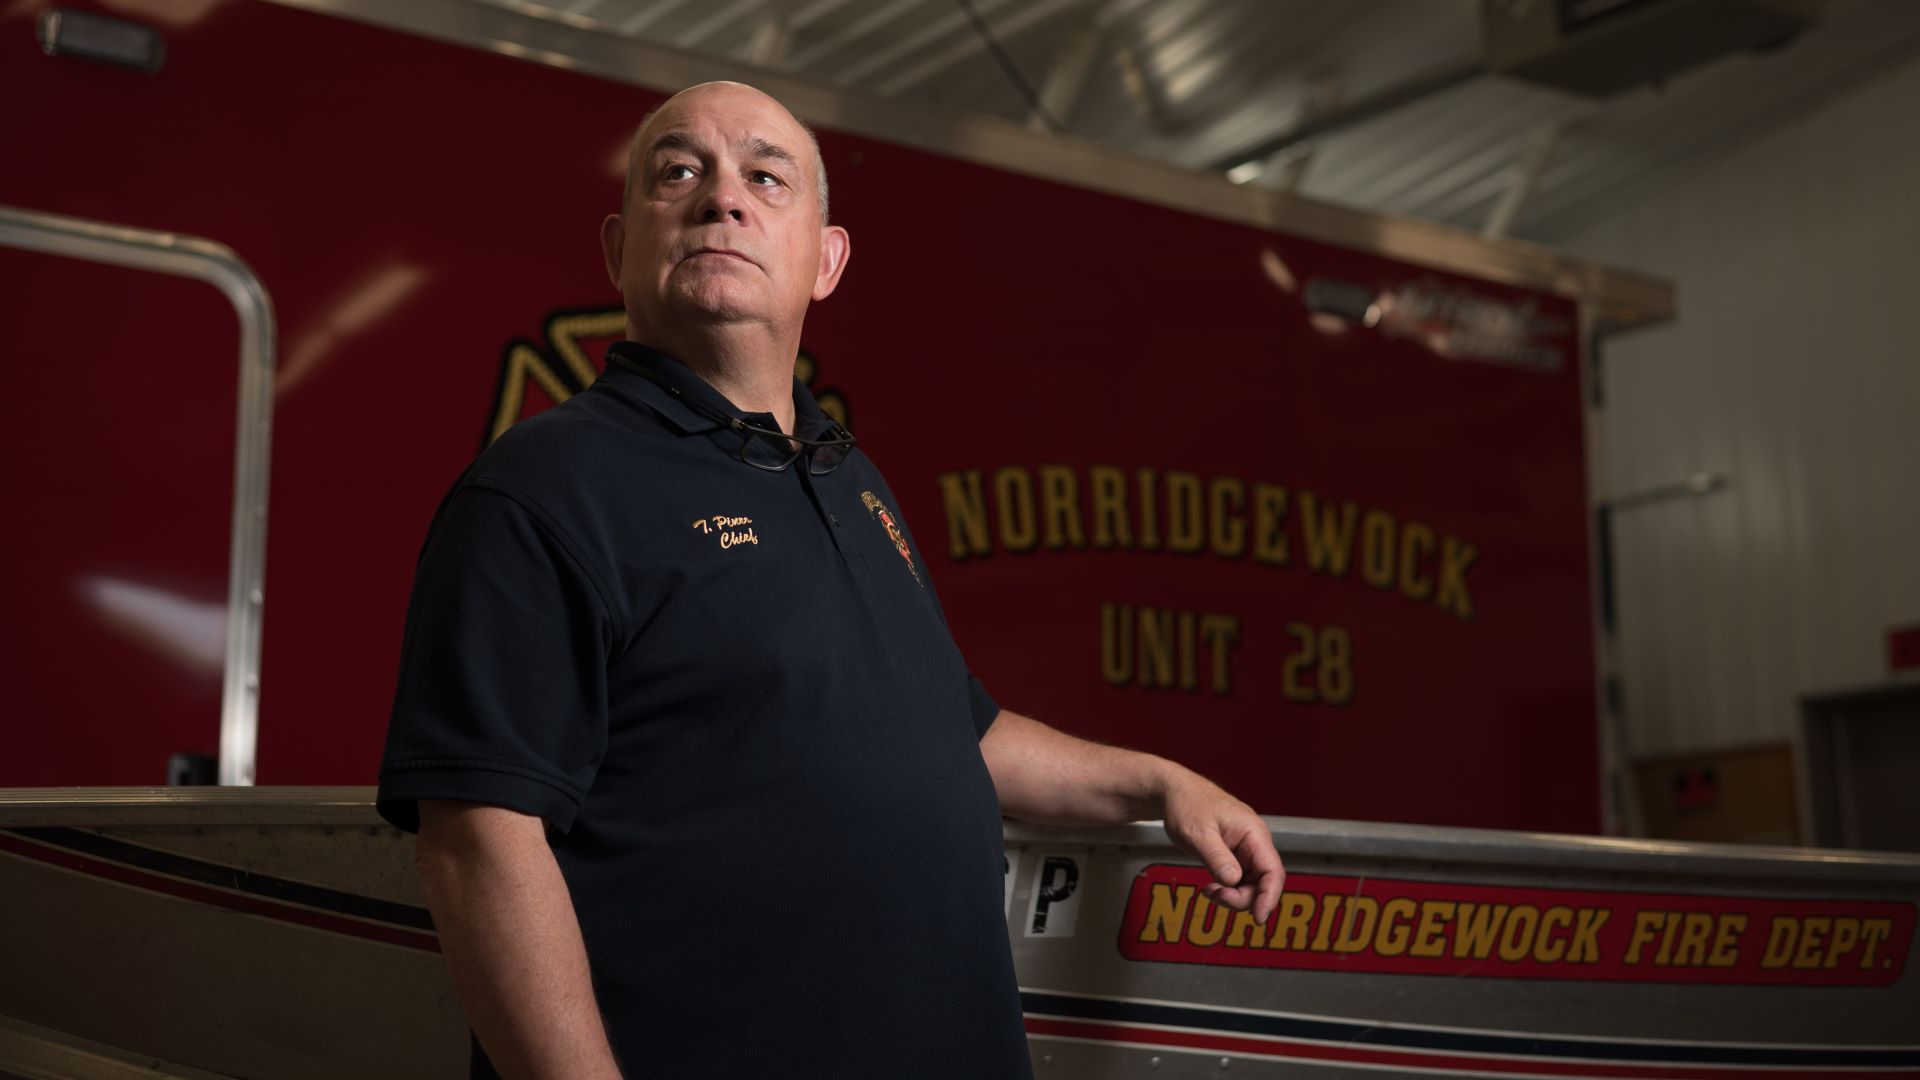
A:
732, 695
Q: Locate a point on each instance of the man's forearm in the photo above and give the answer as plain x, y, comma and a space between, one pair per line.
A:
1052, 778
512, 942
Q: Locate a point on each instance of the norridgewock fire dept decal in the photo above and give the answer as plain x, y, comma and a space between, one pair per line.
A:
1389, 927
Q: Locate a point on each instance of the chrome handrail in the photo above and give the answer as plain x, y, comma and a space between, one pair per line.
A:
219, 266
1427, 846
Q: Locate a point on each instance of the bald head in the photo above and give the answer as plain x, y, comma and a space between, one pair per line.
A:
661, 124
719, 239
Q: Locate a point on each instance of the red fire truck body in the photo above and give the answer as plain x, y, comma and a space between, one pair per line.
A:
1292, 494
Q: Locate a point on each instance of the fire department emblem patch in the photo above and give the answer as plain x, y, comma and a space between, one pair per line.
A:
879, 510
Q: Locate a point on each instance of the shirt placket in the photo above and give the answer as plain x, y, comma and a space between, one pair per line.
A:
819, 492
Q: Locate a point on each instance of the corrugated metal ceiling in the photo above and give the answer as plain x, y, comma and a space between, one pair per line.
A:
1197, 82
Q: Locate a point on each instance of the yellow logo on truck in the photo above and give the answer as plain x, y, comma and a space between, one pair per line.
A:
1332, 923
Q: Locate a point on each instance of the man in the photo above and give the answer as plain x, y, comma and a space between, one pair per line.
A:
702, 785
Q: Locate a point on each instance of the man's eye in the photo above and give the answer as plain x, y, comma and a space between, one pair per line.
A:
765, 178
667, 173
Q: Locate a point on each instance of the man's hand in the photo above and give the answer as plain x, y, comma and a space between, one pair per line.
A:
1050, 777
1232, 840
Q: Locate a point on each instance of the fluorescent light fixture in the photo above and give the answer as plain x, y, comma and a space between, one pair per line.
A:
1246, 171
102, 39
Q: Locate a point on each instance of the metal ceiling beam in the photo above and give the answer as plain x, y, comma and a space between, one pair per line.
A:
1323, 96
814, 12
1143, 88
1468, 163
1294, 40
1424, 85
960, 51
874, 19
770, 45
1534, 157
653, 13
692, 36
770, 42
953, 22
1065, 80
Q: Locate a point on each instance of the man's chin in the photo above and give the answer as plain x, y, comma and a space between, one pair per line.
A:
711, 304
712, 312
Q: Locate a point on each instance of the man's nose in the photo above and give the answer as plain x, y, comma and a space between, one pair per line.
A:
722, 200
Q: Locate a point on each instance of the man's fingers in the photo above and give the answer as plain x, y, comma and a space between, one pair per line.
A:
1269, 896
1260, 897
1219, 858
1269, 874
1238, 897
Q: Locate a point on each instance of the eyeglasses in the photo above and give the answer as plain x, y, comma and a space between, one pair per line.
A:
765, 448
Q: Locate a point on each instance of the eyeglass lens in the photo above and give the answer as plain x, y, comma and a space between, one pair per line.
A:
776, 452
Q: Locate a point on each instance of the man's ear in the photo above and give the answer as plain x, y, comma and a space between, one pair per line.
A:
613, 236
836, 247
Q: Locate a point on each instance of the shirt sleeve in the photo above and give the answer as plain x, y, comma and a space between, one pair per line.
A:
502, 690
984, 707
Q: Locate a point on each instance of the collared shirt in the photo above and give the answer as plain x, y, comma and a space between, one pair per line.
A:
732, 695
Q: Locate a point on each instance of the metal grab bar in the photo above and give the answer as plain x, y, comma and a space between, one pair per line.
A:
219, 266
1304, 839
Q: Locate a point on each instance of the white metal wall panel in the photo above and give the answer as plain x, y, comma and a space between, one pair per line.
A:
1793, 370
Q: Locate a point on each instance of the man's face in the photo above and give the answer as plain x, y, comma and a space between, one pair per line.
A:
724, 222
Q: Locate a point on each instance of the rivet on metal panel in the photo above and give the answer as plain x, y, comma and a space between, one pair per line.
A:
253, 682
1046, 1061
256, 596
1154, 1061
1226, 1062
